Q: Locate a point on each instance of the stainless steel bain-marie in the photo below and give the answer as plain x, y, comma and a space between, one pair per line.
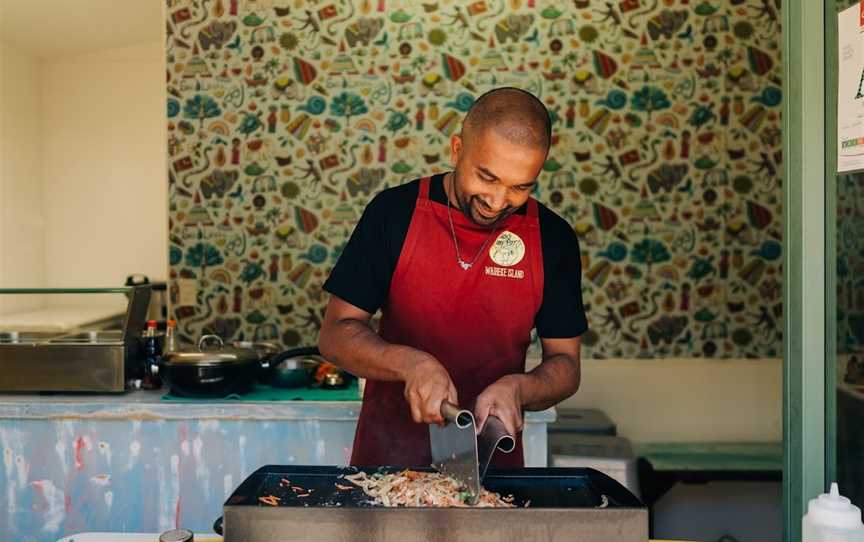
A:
88, 359
563, 505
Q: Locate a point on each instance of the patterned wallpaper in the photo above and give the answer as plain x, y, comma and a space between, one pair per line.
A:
850, 273
286, 116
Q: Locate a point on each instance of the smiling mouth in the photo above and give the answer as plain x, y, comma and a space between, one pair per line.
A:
481, 210
491, 218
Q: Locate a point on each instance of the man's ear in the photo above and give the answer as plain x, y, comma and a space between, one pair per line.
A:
455, 149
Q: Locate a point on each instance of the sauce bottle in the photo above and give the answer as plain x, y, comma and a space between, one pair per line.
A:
832, 518
151, 380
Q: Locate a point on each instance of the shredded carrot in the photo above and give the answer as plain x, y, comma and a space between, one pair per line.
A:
272, 500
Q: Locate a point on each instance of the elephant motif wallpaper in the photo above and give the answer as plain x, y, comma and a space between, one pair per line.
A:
286, 116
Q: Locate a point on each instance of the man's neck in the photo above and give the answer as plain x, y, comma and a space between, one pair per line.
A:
449, 185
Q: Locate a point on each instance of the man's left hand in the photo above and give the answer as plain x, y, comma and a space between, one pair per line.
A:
503, 399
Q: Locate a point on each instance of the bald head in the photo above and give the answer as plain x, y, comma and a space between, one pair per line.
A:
514, 114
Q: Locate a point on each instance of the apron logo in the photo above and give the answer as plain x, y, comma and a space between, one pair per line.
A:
507, 272
508, 249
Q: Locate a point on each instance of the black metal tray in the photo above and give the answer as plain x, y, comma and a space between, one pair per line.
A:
540, 487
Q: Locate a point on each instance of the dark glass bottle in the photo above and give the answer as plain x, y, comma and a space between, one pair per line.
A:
151, 380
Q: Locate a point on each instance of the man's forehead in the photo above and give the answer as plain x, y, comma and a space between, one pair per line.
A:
494, 139
496, 156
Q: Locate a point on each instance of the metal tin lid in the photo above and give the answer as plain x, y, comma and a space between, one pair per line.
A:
333, 379
218, 355
177, 535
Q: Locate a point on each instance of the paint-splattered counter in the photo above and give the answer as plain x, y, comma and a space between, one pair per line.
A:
133, 463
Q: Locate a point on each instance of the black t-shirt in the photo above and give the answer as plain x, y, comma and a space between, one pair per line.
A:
364, 270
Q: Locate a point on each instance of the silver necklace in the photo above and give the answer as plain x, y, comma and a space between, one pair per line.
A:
462, 263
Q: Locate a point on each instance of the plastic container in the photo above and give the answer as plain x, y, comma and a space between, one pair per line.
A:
612, 456
832, 518
582, 421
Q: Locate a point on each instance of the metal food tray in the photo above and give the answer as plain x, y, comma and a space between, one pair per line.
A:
565, 504
84, 360
36, 338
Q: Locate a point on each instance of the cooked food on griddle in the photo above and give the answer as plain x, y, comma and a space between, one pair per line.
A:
270, 500
413, 488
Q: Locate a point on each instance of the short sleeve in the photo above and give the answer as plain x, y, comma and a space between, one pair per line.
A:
561, 314
363, 272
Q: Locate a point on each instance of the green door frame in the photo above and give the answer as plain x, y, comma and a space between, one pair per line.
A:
832, 7
804, 258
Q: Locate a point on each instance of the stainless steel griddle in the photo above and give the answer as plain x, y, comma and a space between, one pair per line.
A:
564, 505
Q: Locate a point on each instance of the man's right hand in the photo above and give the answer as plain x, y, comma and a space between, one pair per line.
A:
428, 385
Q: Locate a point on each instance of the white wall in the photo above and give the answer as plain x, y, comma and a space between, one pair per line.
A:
21, 226
103, 172
678, 400
83, 193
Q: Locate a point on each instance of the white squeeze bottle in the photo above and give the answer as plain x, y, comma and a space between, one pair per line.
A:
831, 517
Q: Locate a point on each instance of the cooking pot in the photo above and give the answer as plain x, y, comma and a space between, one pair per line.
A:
292, 368
211, 370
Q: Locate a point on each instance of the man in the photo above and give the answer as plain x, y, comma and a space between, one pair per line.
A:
462, 265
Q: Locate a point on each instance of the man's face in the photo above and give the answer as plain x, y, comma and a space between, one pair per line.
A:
493, 177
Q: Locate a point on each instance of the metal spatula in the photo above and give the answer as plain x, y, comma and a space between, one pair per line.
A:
493, 437
454, 448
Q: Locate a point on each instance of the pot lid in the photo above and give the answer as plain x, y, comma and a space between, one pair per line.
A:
211, 351
264, 349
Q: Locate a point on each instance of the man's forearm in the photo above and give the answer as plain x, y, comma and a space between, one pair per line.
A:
353, 346
554, 380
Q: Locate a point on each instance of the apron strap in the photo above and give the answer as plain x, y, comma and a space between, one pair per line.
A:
532, 211
424, 188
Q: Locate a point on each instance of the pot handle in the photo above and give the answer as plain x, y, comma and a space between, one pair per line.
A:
263, 361
203, 341
217, 526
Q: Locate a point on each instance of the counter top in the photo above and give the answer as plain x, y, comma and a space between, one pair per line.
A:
147, 405
739, 457
72, 457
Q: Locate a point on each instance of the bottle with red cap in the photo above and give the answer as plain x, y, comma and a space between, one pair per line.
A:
151, 379
170, 337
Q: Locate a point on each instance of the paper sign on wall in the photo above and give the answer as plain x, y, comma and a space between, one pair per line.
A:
850, 89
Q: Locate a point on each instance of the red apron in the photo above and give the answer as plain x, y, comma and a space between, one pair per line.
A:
477, 322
